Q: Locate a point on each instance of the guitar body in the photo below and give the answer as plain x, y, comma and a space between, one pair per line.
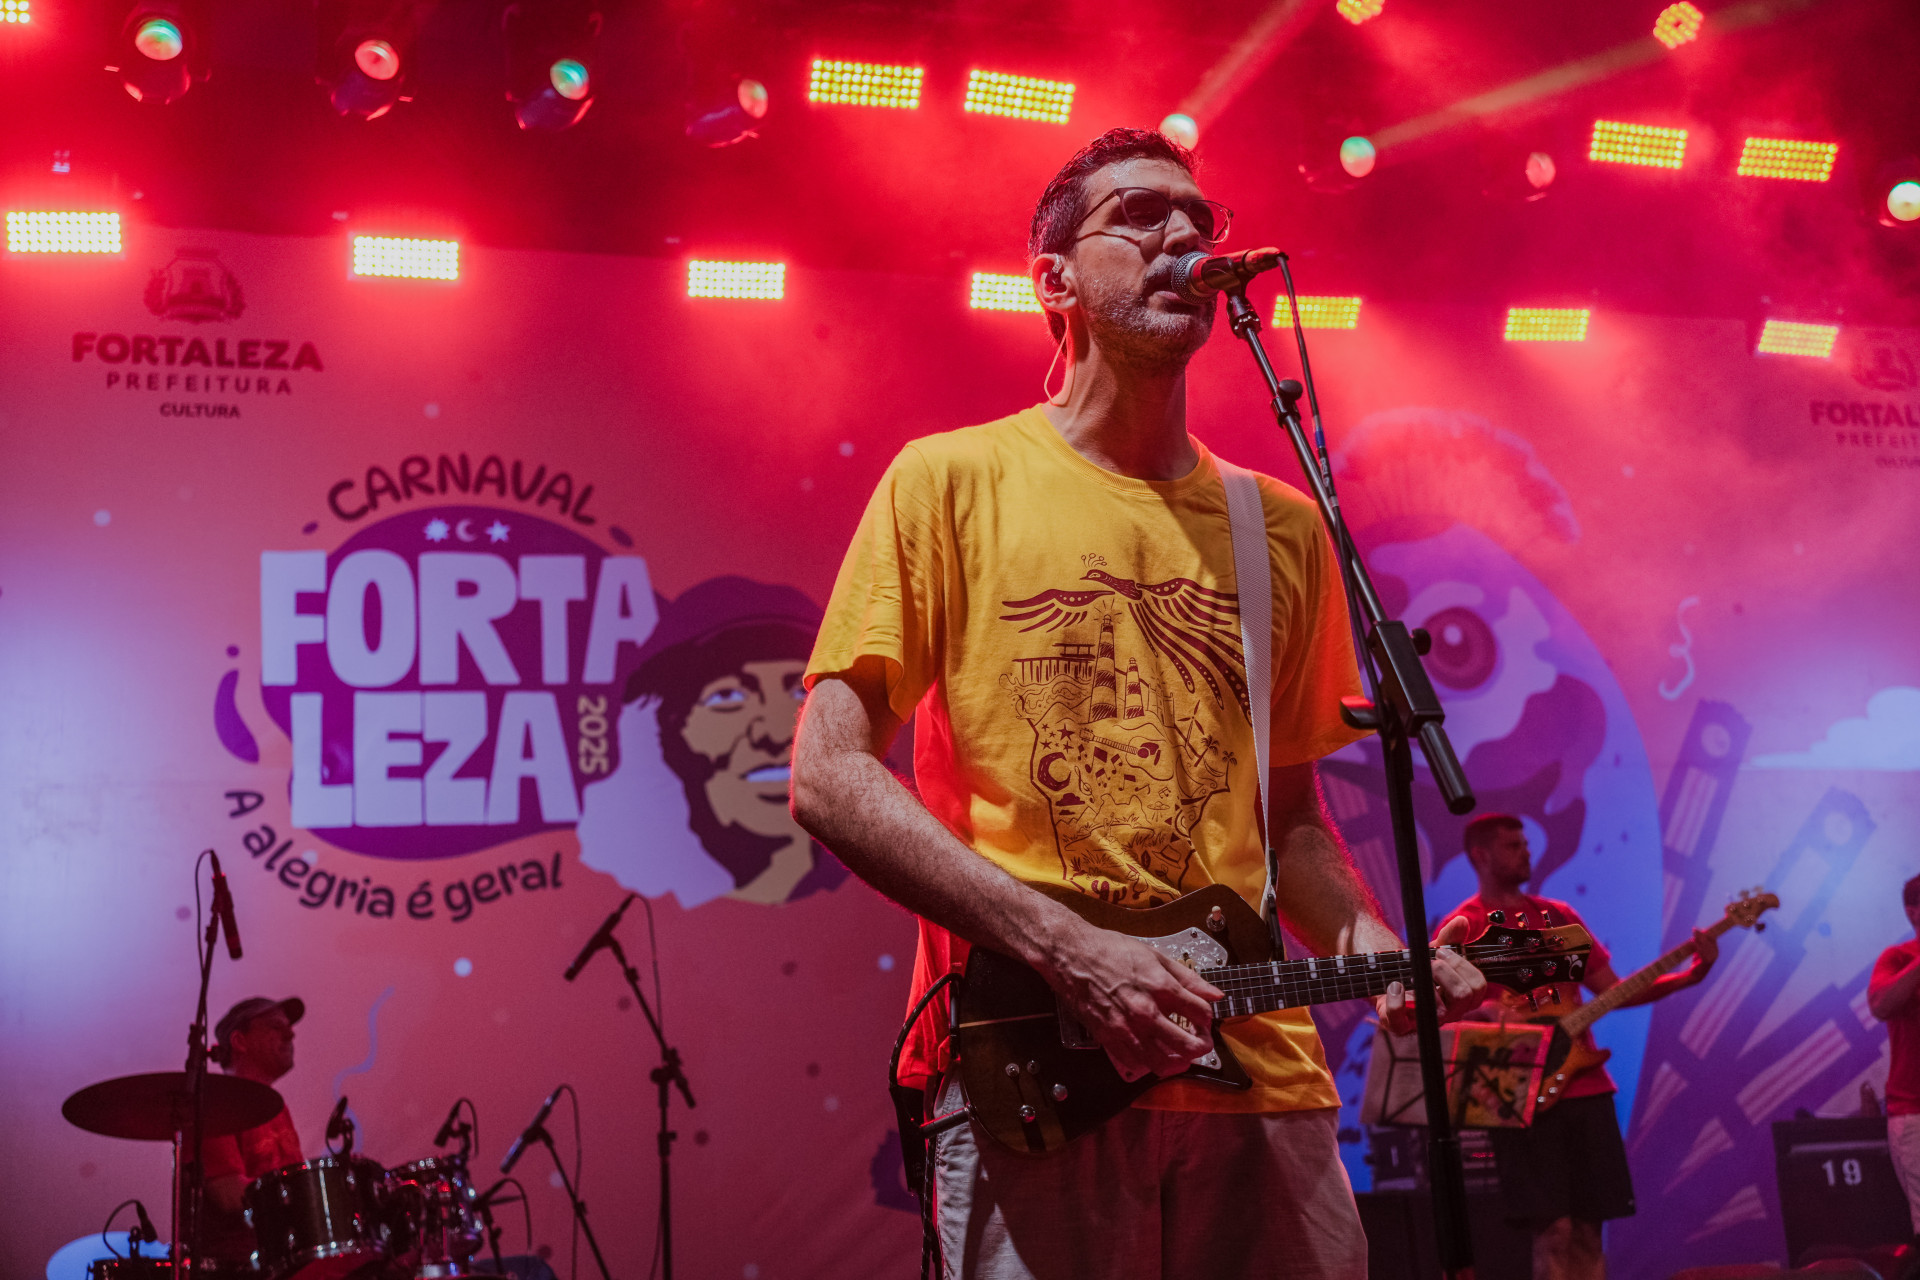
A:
1566, 1059
1034, 1078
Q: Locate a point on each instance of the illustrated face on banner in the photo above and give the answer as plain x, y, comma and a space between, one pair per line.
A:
698, 807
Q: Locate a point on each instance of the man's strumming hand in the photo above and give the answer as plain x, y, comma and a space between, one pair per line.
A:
1126, 994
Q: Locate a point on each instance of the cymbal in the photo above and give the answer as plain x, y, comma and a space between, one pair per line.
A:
149, 1108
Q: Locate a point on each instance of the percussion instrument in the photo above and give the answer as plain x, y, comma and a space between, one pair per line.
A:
432, 1210
320, 1220
156, 1106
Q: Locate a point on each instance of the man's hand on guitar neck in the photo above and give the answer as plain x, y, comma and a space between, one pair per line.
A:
1460, 987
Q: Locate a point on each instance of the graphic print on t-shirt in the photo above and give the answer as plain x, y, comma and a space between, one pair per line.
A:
1127, 759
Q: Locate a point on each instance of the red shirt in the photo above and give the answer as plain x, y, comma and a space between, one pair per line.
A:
1547, 913
1903, 1031
244, 1155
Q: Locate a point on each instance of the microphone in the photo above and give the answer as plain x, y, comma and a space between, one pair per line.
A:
337, 1123
531, 1133
223, 907
445, 1135
146, 1233
1198, 276
600, 939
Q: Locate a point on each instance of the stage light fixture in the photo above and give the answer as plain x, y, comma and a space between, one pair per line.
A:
1547, 324
1903, 201
159, 55
1787, 158
763, 280
732, 121
1357, 157
994, 292
1678, 24
1318, 311
366, 53
1618, 142
865, 84
1181, 128
1791, 338
1359, 11
995, 93
406, 258
16, 11
551, 51
45, 232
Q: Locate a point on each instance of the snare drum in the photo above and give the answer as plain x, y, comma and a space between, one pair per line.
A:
320, 1220
436, 1228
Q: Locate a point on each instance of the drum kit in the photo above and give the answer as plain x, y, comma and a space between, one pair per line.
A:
334, 1217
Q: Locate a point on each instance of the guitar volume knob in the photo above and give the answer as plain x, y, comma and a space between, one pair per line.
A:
1026, 1114
1013, 1068
1059, 1093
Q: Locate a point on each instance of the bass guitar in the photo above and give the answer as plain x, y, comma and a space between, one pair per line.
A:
1569, 1053
1035, 1078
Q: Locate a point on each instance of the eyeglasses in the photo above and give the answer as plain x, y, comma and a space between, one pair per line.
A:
1148, 210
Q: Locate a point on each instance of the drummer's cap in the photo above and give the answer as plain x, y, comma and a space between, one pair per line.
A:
246, 1011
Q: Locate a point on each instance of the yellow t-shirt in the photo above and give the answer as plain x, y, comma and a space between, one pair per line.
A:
1070, 639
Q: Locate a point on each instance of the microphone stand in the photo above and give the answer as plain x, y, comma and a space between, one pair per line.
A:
579, 1208
667, 1076
1404, 708
188, 1166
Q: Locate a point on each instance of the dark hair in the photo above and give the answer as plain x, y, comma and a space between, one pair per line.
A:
1479, 833
1064, 203
1910, 891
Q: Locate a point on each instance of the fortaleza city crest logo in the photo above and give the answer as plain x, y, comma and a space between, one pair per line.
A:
195, 286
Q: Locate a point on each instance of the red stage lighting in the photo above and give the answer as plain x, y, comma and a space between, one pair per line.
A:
1359, 11
731, 121
63, 233
764, 280
1790, 338
1787, 158
550, 55
1617, 142
1903, 201
1318, 312
366, 53
407, 258
1547, 324
996, 292
865, 84
1021, 97
160, 53
1678, 24
16, 10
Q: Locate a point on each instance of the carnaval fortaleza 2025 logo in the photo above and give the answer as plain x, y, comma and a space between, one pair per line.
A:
480, 641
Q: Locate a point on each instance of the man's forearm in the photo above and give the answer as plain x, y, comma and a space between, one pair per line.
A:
1889, 999
1319, 893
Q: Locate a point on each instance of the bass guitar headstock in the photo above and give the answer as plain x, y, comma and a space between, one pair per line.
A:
1746, 910
1525, 959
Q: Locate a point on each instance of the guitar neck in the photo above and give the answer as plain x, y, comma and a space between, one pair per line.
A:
1290, 984
1634, 985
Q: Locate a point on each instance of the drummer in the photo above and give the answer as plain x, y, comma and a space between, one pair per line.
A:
255, 1042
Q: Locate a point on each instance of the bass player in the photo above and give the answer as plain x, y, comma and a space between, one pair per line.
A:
1054, 595
1565, 1174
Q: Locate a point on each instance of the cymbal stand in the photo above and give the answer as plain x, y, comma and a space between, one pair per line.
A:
579, 1207
1404, 708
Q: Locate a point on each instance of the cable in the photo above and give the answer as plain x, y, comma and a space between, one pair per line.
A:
573, 1248
108, 1225
660, 1021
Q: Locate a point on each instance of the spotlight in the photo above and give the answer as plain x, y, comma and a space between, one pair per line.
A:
16, 10
1357, 157
1181, 128
1787, 158
366, 52
1791, 338
731, 121
63, 233
550, 60
407, 258
1893, 193
159, 53
1359, 11
996, 93
1903, 201
1318, 312
765, 280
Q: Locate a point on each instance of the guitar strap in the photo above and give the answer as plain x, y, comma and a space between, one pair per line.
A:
1253, 572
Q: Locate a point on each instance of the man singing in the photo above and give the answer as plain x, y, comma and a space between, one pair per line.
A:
1055, 593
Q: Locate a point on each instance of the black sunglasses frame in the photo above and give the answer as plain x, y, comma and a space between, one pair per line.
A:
1223, 216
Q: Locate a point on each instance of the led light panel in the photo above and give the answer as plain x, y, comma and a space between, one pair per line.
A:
1547, 324
16, 11
993, 292
1616, 142
1319, 312
1787, 158
413, 259
736, 280
865, 84
63, 233
1358, 11
1677, 24
1789, 338
1021, 97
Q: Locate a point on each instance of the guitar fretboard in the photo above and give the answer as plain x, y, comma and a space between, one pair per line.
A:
1290, 984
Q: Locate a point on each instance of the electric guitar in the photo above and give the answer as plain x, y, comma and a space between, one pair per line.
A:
1568, 1054
1036, 1079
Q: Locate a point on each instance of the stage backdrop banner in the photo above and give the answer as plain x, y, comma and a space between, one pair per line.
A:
450, 613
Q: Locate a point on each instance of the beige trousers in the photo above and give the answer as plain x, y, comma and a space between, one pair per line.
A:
1903, 1142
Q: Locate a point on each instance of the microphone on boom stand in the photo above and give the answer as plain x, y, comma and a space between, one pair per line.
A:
600, 939
223, 907
529, 1135
1197, 276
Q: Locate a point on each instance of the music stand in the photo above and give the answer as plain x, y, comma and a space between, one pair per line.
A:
1493, 1074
